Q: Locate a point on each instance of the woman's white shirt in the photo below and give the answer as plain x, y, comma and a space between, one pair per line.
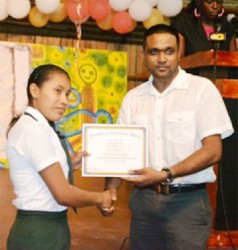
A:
32, 146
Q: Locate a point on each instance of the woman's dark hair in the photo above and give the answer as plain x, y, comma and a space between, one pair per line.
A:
38, 76
195, 4
160, 29
41, 74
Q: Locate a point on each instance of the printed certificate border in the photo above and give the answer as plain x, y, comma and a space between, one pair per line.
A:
112, 127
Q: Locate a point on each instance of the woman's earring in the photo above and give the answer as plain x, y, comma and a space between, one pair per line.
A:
222, 12
196, 14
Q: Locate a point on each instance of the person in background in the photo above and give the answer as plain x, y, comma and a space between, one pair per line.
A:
186, 119
196, 24
39, 168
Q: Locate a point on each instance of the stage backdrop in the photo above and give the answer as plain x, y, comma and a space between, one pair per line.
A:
98, 77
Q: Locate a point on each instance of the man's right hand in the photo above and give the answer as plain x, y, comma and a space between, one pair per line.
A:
106, 208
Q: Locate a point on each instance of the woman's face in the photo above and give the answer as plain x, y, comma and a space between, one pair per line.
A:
211, 8
51, 99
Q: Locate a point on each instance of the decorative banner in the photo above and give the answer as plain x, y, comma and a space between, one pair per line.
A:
6, 89
15, 69
99, 82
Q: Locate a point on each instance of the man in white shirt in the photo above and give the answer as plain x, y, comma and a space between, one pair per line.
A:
187, 120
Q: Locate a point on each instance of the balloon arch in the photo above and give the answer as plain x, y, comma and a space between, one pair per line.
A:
120, 15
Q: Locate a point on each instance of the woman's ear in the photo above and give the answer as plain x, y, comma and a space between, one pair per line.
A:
34, 90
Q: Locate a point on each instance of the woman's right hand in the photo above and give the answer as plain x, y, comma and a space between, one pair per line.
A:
108, 198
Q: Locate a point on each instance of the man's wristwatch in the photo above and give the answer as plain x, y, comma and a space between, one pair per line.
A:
170, 177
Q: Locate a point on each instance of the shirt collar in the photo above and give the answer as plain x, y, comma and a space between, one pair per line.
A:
36, 114
179, 82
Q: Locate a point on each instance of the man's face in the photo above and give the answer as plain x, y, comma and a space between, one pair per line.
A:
161, 56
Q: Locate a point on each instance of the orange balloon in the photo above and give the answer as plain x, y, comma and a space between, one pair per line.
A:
122, 22
134, 25
99, 10
59, 15
105, 24
37, 19
77, 10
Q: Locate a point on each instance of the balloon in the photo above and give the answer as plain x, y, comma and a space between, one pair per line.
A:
122, 22
153, 2
155, 18
3, 10
18, 9
134, 25
105, 24
120, 5
37, 19
59, 15
77, 10
140, 10
99, 10
170, 8
166, 20
47, 6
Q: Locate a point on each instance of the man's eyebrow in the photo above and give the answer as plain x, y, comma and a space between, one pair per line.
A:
159, 49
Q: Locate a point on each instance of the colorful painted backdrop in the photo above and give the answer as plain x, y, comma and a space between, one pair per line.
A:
99, 82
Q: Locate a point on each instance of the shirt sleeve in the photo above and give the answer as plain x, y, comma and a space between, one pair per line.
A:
212, 115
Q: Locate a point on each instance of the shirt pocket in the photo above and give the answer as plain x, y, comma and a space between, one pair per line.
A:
180, 127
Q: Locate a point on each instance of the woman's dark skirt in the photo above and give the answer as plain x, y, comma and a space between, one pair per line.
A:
33, 230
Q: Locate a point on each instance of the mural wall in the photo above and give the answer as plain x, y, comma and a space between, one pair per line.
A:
98, 78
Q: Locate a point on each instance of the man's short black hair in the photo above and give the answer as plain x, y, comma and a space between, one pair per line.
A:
160, 29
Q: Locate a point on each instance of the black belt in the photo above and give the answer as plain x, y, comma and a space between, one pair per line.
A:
164, 188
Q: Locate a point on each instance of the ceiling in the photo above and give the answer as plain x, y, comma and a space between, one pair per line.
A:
90, 30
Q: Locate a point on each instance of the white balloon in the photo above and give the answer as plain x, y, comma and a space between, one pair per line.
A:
170, 8
47, 6
3, 10
153, 2
18, 9
140, 10
120, 5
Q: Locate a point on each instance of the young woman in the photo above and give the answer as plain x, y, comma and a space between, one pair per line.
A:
39, 168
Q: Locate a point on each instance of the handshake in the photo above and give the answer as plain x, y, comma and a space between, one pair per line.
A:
107, 200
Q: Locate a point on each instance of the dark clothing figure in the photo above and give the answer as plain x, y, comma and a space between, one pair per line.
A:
195, 37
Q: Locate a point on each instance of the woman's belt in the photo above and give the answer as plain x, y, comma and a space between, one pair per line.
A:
22, 213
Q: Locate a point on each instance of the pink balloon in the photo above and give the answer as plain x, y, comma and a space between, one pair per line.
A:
77, 10
122, 22
99, 10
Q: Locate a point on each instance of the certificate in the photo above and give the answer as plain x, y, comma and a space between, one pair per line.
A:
114, 150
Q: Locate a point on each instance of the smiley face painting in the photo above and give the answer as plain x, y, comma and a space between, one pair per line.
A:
99, 82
